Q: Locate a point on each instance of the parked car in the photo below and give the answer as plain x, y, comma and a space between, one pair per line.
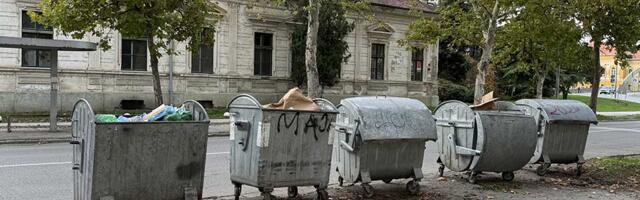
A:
606, 90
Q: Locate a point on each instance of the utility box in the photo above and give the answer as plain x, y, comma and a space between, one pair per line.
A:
382, 138
138, 160
273, 148
563, 127
501, 140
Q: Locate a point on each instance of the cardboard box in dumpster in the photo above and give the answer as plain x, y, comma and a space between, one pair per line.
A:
295, 100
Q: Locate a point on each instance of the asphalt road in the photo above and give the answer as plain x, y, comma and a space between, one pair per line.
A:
44, 171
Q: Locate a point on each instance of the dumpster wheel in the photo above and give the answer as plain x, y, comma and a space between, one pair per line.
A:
340, 181
238, 191
473, 177
368, 190
292, 192
413, 187
441, 170
323, 194
579, 169
542, 169
507, 176
266, 193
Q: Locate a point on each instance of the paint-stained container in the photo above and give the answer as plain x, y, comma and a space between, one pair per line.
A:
138, 160
273, 148
501, 140
563, 127
382, 138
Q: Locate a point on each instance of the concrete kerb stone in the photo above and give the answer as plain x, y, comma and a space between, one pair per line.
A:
619, 114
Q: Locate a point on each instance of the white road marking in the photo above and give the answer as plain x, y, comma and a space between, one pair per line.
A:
217, 153
35, 164
65, 163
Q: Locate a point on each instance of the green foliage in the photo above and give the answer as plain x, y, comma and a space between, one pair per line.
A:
448, 90
614, 170
463, 20
453, 65
616, 23
332, 49
609, 105
602, 118
164, 20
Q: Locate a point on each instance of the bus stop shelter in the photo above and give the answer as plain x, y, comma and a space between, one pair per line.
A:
55, 46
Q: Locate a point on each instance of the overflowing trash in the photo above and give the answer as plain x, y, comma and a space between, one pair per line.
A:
139, 160
285, 144
161, 113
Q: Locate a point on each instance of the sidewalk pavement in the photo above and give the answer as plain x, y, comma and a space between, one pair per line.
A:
39, 132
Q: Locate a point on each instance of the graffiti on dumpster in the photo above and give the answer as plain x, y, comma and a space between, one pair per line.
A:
313, 124
383, 120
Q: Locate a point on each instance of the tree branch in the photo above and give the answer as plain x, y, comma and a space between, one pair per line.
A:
484, 8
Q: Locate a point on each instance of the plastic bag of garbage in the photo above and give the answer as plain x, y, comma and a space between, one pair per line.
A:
106, 118
159, 113
138, 118
180, 115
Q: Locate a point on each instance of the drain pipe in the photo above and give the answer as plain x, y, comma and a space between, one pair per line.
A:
172, 47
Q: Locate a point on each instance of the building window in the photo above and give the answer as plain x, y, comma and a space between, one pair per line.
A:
377, 62
262, 57
202, 61
34, 57
134, 54
417, 62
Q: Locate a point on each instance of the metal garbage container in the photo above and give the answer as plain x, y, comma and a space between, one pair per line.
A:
138, 160
563, 127
382, 138
501, 140
273, 148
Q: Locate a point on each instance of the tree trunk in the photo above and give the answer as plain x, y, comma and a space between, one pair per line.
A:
485, 59
595, 83
157, 89
313, 77
540, 83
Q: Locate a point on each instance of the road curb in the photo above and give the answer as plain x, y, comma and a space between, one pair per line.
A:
35, 140
68, 139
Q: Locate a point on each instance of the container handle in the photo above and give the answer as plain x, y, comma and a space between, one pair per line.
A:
356, 133
346, 146
244, 126
460, 150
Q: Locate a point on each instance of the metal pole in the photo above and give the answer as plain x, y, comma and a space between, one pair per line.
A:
171, 74
557, 81
615, 82
53, 106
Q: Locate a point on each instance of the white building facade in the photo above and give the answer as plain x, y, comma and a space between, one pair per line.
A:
251, 55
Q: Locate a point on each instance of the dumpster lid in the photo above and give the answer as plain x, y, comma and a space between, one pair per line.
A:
384, 118
562, 110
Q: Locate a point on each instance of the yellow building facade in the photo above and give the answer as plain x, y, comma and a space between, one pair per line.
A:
614, 75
